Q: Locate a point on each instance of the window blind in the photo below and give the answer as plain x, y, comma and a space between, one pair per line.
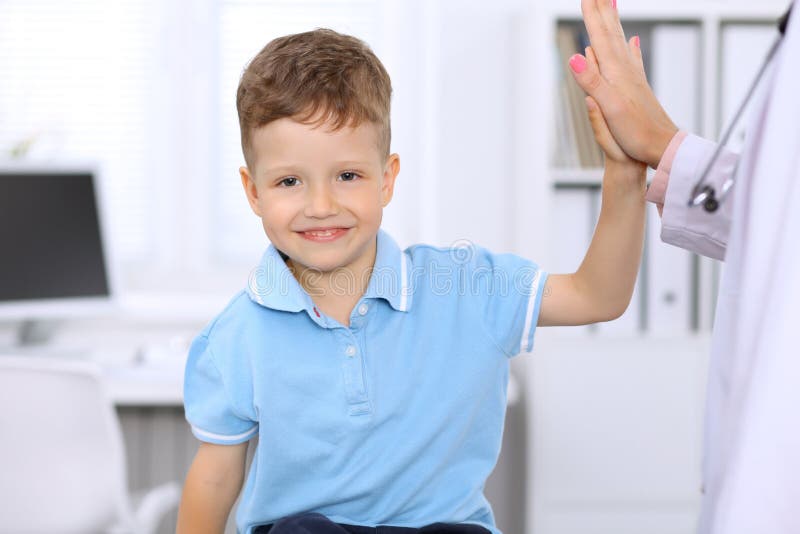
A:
75, 87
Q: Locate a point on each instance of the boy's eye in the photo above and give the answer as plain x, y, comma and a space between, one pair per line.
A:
289, 182
348, 176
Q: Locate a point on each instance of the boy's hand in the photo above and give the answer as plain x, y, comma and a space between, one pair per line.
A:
614, 153
603, 135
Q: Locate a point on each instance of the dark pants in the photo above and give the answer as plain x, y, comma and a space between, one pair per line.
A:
313, 523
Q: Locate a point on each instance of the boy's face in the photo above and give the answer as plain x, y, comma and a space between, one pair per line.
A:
320, 193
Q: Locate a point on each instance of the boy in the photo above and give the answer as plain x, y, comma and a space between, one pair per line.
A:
374, 377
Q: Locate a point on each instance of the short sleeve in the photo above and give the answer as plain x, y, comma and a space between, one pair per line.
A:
207, 402
509, 292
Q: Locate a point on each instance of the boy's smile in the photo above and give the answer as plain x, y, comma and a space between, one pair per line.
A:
320, 193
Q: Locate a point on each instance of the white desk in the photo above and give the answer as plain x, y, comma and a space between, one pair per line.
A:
145, 385
156, 381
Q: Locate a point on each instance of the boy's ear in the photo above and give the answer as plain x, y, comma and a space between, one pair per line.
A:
250, 189
390, 172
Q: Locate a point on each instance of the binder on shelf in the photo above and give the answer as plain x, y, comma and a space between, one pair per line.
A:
573, 111
565, 147
743, 49
675, 76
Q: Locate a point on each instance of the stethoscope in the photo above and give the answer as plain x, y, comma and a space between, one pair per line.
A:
704, 193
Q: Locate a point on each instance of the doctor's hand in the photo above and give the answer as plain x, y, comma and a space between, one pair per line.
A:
613, 74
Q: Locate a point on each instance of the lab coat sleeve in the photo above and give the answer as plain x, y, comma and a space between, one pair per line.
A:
693, 228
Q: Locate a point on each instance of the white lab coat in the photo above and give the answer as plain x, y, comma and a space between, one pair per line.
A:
751, 466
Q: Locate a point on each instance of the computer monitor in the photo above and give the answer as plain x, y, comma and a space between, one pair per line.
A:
55, 260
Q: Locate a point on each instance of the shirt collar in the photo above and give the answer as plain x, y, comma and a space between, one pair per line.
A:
391, 274
272, 285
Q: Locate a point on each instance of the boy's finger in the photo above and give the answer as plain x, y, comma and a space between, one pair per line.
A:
598, 122
602, 133
596, 118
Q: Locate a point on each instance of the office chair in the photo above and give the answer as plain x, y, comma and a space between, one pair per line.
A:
62, 459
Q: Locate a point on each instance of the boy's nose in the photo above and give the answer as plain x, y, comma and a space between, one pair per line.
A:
320, 203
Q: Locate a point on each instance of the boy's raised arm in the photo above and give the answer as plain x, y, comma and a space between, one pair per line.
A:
212, 486
600, 290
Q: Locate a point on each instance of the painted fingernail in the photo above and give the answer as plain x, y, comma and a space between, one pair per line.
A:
614, 4
636, 41
577, 63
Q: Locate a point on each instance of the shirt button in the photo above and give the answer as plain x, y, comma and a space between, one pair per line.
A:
351, 350
362, 310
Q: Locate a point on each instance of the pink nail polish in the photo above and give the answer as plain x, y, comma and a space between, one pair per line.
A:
636, 42
577, 63
614, 4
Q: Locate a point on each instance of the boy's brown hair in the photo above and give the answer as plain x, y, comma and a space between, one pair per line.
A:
314, 77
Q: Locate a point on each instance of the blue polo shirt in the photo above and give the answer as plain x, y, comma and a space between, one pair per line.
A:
394, 420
